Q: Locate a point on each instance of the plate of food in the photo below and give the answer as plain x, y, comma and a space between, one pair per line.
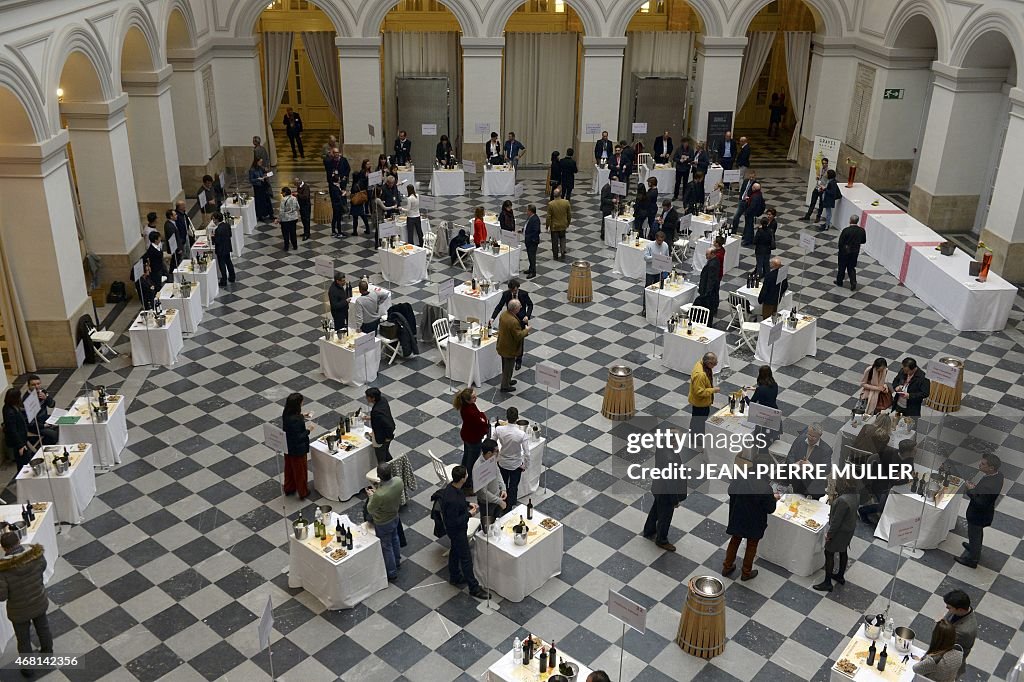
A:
704, 339
812, 524
716, 420
549, 524
847, 667
39, 507
339, 554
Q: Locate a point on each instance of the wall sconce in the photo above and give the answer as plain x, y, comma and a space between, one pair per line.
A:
60, 95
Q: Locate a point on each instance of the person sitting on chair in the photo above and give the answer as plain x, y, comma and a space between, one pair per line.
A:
37, 427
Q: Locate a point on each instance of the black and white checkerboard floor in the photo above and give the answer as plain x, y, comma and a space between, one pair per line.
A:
185, 540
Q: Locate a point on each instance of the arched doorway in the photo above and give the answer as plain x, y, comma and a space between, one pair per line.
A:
540, 103
422, 77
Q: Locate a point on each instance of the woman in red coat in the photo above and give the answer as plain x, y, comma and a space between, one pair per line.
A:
473, 431
479, 229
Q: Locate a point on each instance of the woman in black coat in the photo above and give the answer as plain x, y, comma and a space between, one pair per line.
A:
16, 427
296, 433
829, 198
507, 219
751, 500
554, 175
767, 391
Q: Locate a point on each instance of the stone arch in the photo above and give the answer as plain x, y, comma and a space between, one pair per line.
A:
33, 110
915, 10
244, 13
503, 9
375, 16
78, 42
709, 17
827, 13
968, 37
136, 18
187, 34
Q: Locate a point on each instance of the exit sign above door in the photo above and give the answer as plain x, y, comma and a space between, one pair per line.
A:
892, 93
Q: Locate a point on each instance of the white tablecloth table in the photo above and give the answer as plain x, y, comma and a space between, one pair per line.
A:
732, 253
403, 266
681, 351
72, 491
936, 520
206, 280
492, 225
340, 584
725, 427
237, 237
406, 177
615, 227
713, 177
109, 437
789, 542
752, 294
701, 223
944, 284
530, 481
473, 366
629, 259
895, 669
499, 181
191, 308
341, 475
41, 532
792, 346
855, 201
156, 345
888, 235
496, 267
600, 178
666, 174
464, 305
505, 669
515, 571
247, 213
338, 360
664, 303
448, 183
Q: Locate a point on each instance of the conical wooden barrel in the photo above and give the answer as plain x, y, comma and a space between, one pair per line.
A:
702, 622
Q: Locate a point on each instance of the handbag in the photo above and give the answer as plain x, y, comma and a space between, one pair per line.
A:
359, 198
884, 401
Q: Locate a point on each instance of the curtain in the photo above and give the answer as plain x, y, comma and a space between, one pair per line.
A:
277, 59
798, 62
540, 89
19, 346
422, 54
759, 45
323, 58
665, 53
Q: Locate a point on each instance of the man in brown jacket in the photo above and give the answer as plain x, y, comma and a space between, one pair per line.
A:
558, 219
510, 342
21, 586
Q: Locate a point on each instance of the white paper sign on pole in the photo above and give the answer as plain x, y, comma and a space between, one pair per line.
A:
484, 471
684, 223
80, 353
509, 237
640, 128
172, 243
388, 229
904, 532
483, 128
764, 416
223, 181
731, 175
445, 290
627, 611
369, 128
518, 190
469, 166
137, 270
266, 624
364, 343
375, 178
426, 203
714, 198
942, 373
775, 332
662, 263
548, 375
807, 242
31, 405
323, 266
202, 201
428, 129
783, 274
592, 128
618, 188
273, 438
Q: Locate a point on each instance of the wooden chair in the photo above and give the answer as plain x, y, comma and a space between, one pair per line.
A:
442, 330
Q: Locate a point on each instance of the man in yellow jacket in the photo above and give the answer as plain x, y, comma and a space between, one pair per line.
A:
558, 219
702, 391
511, 334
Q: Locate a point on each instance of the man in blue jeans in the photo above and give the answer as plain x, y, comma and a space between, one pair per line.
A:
383, 508
455, 513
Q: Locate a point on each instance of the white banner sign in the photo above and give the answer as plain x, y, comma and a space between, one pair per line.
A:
518, 190
731, 175
484, 471
592, 128
483, 128
80, 353
902, 533
266, 625
662, 263
775, 332
369, 128
783, 274
388, 229
548, 375
364, 343
273, 438
428, 129
445, 290
807, 242
31, 406
426, 203
137, 270
764, 416
375, 178
172, 243
469, 166
202, 201
640, 128
618, 188
942, 373
627, 611
509, 237
323, 266
824, 148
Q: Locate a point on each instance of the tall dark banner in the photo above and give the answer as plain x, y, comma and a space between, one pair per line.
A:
719, 123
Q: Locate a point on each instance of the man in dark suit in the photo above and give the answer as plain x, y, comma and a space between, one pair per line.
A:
567, 165
668, 222
293, 126
337, 168
171, 230
403, 149
663, 148
810, 449
183, 227
619, 167
668, 494
681, 157
222, 250
909, 389
745, 188
37, 427
381, 423
743, 157
699, 162
753, 208
983, 497
603, 149
305, 196
850, 240
531, 239
771, 291
708, 286
155, 257
525, 312
751, 501
214, 194
727, 151
492, 149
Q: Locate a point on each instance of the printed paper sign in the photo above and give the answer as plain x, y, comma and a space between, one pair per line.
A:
469, 166
618, 188
364, 343
31, 405
764, 416
518, 190
942, 373
428, 129
445, 290
775, 333
902, 533
80, 353
202, 201
375, 178
137, 270
324, 265
388, 229
426, 203
807, 242
783, 274
509, 237
483, 129
172, 243
732, 175
640, 128
266, 624
484, 471
684, 223
662, 263
273, 438
370, 129
548, 375
592, 129
627, 611
223, 181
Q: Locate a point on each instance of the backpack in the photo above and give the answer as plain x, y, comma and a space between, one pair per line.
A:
118, 293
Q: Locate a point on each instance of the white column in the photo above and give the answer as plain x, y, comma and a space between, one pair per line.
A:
481, 94
359, 60
151, 136
600, 87
895, 125
239, 100
37, 228
718, 79
191, 126
829, 89
103, 171
1004, 225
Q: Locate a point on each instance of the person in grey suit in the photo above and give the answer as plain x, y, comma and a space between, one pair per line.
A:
842, 522
808, 448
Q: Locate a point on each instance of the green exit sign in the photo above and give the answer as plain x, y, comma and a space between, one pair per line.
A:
892, 93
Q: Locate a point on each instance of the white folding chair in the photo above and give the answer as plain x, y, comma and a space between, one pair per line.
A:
644, 159
429, 240
736, 299
442, 330
101, 341
464, 254
748, 331
389, 346
699, 315
442, 470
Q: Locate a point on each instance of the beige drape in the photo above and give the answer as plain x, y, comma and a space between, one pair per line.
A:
798, 62
650, 53
19, 347
277, 59
759, 46
421, 54
323, 59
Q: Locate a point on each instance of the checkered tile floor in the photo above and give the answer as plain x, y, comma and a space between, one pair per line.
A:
185, 540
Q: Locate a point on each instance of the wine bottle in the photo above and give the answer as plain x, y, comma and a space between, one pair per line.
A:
552, 652
882, 656
914, 484
871, 654
339, 534
350, 541
31, 512
543, 660
526, 651
529, 510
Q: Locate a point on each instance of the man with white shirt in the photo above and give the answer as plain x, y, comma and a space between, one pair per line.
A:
659, 247
603, 149
370, 307
819, 189
513, 454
